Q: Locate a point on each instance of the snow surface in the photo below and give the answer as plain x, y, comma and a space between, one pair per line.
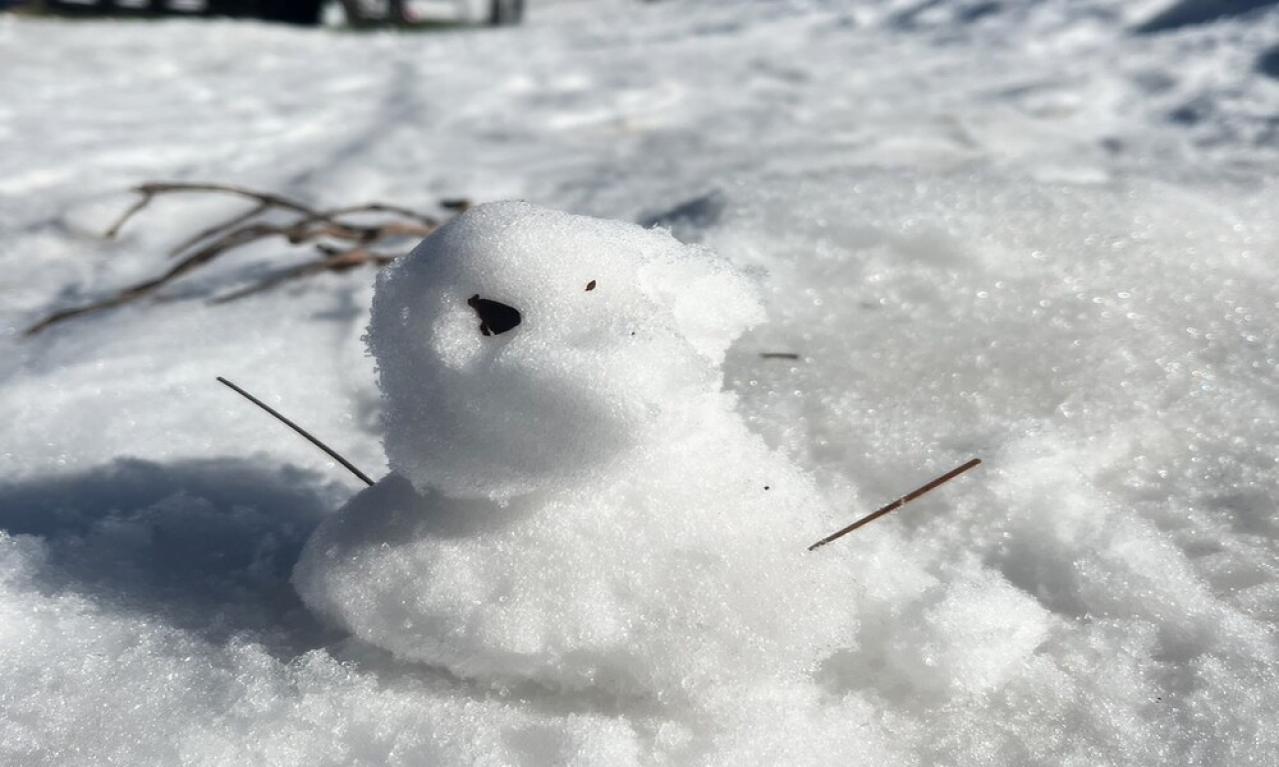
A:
622, 333
597, 425
1041, 233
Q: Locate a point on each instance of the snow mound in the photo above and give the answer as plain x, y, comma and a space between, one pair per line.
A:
621, 332
658, 547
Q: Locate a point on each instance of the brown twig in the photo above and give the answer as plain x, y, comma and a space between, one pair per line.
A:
337, 260
147, 287
313, 440
309, 225
897, 504
152, 189
142, 202
378, 207
219, 228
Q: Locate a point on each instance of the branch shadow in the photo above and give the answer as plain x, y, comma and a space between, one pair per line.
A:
1188, 13
207, 546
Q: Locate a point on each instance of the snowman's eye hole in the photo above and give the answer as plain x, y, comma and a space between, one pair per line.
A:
495, 317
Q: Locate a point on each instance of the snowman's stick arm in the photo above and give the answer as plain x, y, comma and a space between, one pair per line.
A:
332, 453
897, 504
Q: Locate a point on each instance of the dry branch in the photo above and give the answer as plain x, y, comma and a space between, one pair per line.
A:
897, 504
336, 260
308, 225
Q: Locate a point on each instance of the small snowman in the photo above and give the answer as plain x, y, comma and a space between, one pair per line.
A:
573, 499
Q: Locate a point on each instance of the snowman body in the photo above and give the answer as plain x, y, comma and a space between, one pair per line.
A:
574, 500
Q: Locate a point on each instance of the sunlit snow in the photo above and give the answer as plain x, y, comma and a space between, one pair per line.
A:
859, 243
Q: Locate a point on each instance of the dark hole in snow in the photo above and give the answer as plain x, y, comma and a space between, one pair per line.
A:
590, 286
495, 317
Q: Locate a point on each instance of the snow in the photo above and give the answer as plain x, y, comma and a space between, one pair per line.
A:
585, 375
596, 425
1031, 232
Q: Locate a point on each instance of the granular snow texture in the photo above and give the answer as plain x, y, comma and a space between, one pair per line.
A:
1039, 233
584, 376
657, 547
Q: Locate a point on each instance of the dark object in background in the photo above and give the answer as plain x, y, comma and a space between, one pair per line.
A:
359, 13
408, 13
505, 12
291, 11
305, 12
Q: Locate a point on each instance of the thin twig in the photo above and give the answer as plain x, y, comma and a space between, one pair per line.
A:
379, 207
150, 190
330, 451
897, 504
336, 260
142, 202
153, 188
309, 226
219, 228
147, 287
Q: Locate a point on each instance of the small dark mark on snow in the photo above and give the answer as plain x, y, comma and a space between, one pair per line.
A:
590, 286
779, 355
495, 317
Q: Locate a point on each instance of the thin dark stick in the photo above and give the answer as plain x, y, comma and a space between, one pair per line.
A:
147, 287
897, 504
218, 228
141, 203
309, 225
152, 188
381, 207
335, 260
332, 454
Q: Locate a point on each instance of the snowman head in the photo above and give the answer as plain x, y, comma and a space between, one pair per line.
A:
518, 347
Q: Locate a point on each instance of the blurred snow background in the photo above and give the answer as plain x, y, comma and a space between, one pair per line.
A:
1044, 233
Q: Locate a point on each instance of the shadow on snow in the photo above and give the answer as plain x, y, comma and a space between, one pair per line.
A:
203, 545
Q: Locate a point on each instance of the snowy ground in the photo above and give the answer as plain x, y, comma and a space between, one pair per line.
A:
1040, 233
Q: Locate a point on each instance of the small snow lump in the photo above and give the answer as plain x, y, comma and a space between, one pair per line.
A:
575, 501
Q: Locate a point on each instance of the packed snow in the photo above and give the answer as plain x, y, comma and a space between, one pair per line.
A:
597, 425
619, 337
856, 243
